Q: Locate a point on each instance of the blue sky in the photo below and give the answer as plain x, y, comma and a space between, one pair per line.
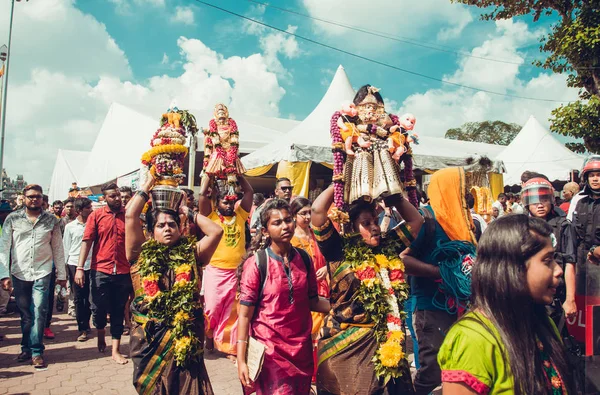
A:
71, 59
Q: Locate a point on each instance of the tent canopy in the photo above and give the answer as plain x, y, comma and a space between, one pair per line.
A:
125, 135
311, 141
535, 149
68, 168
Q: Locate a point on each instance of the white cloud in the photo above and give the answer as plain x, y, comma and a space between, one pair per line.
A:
184, 15
401, 18
124, 7
272, 42
438, 110
59, 94
55, 35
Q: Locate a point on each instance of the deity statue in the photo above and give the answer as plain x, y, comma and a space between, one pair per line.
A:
364, 167
221, 143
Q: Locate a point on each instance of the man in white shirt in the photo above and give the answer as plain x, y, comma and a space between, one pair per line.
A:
499, 204
72, 246
31, 240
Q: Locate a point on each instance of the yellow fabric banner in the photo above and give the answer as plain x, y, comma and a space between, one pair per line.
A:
298, 173
496, 184
258, 171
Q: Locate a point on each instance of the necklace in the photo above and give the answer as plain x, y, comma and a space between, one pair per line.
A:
226, 223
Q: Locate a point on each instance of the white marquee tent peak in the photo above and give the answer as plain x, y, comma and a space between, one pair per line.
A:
68, 168
309, 140
536, 149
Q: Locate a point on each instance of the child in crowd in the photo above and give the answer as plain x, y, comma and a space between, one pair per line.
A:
507, 343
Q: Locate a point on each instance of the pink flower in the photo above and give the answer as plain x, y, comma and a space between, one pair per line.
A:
396, 275
183, 276
151, 287
366, 274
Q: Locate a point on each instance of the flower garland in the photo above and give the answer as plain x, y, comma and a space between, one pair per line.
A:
338, 162
179, 307
382, 292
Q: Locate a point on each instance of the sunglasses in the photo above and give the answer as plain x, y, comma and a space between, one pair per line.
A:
32, 197
286, 188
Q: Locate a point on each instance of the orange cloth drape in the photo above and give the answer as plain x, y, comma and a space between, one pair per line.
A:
447, 199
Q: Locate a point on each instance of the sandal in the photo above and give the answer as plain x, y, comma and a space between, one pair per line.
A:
126, 331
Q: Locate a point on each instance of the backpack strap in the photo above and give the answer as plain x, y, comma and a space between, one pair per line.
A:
305, 258
262, 263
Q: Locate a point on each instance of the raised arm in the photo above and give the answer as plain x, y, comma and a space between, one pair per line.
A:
204, 202
207, 245
409, 213
134, 232
320, 207
246, 203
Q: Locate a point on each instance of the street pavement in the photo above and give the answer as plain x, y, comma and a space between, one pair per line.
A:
78, 367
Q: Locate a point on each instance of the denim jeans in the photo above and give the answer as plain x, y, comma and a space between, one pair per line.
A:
32, 301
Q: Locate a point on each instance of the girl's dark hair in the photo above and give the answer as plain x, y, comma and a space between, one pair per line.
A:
265, 215
363, 92
500, 292
152, 215
298, 204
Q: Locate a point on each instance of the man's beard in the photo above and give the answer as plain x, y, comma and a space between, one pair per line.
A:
226, 213
34, 208
114, 206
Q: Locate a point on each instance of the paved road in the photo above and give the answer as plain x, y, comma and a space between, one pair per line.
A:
75, 367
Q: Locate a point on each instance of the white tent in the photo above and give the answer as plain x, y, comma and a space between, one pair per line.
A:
125, 135
68, 168
535, 149
311, 141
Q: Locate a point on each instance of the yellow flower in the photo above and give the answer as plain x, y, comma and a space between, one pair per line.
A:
381, 261
371, 282
396, 264
183, 344
185, 268
164, 149
396, 336
390, 354
181, 316
151, 298
152, 277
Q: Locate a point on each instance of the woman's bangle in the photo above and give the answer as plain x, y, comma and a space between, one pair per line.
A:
242, 341
143, 194
79, 268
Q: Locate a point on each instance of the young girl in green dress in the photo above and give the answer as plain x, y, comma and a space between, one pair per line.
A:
507, 344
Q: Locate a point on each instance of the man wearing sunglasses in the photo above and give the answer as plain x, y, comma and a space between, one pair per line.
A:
283, 190
31, 240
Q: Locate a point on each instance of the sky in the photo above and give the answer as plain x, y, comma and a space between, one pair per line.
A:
70, 59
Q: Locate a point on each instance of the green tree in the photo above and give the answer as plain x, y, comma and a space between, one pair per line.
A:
573, 47
496, 132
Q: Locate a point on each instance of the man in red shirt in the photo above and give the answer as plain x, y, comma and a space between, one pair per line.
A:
110, 283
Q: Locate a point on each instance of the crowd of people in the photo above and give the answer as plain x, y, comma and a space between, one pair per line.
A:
219, 273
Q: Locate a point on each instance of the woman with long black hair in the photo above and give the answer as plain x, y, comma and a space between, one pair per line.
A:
507, 344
